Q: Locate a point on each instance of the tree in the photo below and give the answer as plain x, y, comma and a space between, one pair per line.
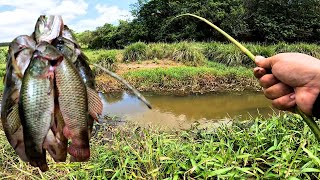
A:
84, 38
284, 20
103, 36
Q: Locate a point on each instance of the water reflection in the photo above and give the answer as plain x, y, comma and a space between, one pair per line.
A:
177, 110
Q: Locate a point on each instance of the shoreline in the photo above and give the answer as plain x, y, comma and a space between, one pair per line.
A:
172, 78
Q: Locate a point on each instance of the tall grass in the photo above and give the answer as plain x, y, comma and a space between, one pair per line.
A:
191, 53
277, 147
183, 52
135, 52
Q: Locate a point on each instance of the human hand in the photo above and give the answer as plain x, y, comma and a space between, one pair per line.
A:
295, 80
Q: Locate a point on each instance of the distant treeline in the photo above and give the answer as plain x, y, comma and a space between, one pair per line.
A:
4, 44
266, 21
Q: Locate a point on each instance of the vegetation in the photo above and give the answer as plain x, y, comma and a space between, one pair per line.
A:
106, 58
196, 54
277, 147
214, 66
3, 54
135, 52
247, 20
185, 80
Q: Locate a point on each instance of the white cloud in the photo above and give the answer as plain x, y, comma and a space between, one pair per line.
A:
23, 14
22, 19
107, 14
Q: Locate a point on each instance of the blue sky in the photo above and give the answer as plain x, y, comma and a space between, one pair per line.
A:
18, 17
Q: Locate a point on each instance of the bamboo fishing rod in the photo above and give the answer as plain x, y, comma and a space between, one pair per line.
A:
308, 119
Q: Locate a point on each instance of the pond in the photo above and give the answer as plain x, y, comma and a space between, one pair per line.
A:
181, 111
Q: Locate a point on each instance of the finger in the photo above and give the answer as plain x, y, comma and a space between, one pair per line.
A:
266, 63
285, 103
268, 80
277, 90
259, 72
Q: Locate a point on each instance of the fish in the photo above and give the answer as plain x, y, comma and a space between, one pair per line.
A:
47, 28
21, 49
36, 103
73, 103
19, 53
67, 34
69, 49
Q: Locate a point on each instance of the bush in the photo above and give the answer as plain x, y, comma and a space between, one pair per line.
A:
186, 53
159, 51
135, 52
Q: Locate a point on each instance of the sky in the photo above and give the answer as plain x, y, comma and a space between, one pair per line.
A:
18, 17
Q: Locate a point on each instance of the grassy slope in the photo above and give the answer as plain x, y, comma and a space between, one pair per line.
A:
277, 147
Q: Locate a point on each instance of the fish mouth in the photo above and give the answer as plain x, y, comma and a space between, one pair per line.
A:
53, 62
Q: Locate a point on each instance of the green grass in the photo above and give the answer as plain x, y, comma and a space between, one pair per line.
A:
3, 54
185, 72
277, 147
101, 55
106, 58
188, 79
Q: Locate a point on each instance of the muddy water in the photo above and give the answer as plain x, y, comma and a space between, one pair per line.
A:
180, 112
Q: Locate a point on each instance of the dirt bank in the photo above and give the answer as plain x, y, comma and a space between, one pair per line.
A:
205, 83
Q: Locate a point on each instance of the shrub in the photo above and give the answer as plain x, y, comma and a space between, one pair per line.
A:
186, 53
135, 52
159, 51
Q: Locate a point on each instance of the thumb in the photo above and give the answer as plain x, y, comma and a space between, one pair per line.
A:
305, 98
264, 62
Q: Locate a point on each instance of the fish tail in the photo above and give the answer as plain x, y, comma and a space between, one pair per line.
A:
40, 161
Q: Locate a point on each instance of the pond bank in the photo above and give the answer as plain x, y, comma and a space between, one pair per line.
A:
169, 77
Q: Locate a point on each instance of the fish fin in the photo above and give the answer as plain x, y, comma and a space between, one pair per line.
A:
15, 66
56, 148
90, 126
13, 118
17, 142
95, 105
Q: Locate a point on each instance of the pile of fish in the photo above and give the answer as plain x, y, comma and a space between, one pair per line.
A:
49, 96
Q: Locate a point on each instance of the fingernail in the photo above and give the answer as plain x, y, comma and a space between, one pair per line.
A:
259, 58
292, 96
